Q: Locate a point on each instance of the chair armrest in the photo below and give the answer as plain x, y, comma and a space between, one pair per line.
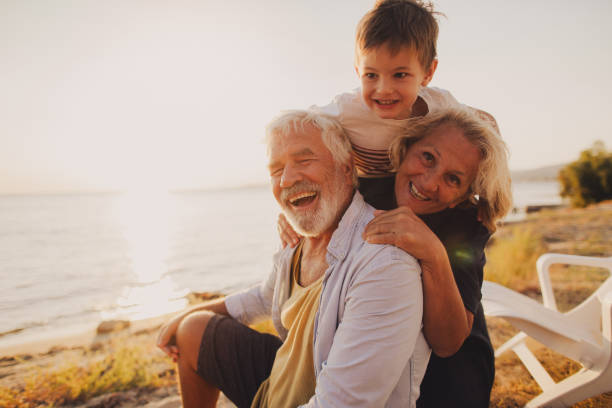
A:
545, 261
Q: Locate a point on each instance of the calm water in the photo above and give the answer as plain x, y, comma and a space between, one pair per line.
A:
68, 262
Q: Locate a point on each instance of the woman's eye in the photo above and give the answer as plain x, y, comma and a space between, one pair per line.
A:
428, 157
454, 180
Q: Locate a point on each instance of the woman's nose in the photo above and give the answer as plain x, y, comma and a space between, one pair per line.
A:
430, 183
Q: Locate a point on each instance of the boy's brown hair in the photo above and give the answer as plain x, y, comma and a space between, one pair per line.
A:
399, 23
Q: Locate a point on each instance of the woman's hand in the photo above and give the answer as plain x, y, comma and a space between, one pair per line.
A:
287, 235
402, 228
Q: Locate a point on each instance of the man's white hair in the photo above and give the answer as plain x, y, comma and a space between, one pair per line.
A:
332, 134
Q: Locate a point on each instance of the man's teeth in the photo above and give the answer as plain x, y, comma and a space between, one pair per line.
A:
416, 193
294, 200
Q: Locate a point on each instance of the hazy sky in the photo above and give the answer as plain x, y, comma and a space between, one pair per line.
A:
129, 94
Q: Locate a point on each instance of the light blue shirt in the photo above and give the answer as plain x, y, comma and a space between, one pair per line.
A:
368, 347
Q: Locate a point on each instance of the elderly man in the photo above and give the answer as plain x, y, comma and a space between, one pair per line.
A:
348, 313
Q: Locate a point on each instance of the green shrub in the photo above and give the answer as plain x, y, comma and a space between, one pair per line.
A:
589, 179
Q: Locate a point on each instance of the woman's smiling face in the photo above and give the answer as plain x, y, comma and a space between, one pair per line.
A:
437, 171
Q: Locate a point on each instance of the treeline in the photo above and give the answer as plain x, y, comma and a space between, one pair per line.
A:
588, 180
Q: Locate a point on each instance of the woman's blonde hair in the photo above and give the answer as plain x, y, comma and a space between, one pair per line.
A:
490, 191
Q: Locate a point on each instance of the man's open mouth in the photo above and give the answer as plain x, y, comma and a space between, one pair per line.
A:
303, 199
416, 194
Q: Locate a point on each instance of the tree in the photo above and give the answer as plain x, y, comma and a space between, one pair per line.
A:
589, 179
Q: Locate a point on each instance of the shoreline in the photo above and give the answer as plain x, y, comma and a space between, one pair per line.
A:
82, 337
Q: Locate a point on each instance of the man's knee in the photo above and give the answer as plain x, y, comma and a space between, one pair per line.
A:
189, 336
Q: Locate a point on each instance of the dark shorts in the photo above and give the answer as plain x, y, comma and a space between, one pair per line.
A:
235, 358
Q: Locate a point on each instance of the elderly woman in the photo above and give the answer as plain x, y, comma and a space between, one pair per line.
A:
452, 184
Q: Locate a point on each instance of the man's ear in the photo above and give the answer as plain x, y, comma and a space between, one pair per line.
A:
430, 72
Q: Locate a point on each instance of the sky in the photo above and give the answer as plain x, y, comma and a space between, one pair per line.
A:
133, 94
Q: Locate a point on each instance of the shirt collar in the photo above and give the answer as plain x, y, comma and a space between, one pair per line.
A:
340, 242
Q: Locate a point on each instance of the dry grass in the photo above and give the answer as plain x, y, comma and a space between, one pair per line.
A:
75, 376
511, 261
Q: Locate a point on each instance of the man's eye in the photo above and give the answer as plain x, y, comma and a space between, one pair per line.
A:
428, 157
276, 172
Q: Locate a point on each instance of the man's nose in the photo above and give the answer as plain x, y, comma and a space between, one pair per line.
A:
289, 177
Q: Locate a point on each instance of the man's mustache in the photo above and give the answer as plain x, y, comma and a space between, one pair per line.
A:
299, 187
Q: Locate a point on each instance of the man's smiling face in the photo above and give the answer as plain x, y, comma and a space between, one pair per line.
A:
306, 180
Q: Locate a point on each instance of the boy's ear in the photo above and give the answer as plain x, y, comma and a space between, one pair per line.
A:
357, 70
430, 72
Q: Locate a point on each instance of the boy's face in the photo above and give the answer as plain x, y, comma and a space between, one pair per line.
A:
390, 83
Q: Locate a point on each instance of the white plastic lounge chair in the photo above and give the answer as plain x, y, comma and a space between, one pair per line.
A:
583, 334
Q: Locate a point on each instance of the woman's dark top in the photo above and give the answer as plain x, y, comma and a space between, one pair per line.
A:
466, 378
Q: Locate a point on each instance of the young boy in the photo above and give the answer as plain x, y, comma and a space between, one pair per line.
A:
395, 59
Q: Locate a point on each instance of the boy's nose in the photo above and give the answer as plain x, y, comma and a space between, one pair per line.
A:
384, 86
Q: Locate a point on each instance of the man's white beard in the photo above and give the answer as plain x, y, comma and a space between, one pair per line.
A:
332, 199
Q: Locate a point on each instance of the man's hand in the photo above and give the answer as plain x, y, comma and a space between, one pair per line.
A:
402, 228
166, 337
287, 235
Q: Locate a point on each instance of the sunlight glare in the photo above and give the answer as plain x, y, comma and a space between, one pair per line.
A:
148, 221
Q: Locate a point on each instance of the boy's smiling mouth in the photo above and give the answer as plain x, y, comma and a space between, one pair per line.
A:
386, 102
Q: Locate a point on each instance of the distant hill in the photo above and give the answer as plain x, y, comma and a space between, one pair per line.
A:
547, 173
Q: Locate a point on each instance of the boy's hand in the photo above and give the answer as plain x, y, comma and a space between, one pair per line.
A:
402, 228
287, 235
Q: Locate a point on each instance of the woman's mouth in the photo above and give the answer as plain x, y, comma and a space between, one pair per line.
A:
416, 194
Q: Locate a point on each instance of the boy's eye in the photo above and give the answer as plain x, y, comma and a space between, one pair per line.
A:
400, 75
370, 75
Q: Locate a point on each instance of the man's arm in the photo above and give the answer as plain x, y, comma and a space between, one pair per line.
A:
245, 306
166, 336
376, 337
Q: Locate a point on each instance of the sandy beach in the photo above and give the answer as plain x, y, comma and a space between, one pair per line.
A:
36, 373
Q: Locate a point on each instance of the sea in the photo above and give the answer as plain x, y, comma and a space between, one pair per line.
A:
69, 262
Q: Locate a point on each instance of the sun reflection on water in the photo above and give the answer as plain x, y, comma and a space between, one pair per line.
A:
148, 220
